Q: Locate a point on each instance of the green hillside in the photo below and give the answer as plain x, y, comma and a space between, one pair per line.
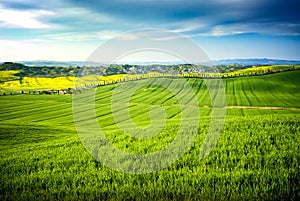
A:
281, 89
275, 90
256, 158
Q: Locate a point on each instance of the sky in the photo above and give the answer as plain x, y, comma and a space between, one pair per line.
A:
70, 30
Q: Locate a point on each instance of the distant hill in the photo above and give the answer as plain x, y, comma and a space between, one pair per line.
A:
57, 68
59, 63
245, 62
248, 62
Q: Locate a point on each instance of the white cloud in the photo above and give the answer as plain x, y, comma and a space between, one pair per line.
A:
227, 30
188, 28
106, 35
80, 37
187, 25
23, 50
285, 29
82, 13
30, 19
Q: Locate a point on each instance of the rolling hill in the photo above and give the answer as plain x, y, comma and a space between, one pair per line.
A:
256, 157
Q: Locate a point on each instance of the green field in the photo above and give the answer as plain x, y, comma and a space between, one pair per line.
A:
256, 158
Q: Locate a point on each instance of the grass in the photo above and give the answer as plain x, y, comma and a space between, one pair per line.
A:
260, 70
256, 158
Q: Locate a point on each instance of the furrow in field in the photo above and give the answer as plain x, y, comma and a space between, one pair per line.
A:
253, 100
150, 94
137, 96
197, 85
245, 91
165, 94
30, 111
203, 95
59, 119
173, 99
6, 108
234, 92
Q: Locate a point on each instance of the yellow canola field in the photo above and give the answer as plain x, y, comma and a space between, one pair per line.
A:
10, 82
8, 73
58, 83
29, 83
261, 70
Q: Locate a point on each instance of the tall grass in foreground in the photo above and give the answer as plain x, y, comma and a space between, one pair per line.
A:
256, 158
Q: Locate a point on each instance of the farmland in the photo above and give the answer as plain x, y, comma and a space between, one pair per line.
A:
16, 78
256, 158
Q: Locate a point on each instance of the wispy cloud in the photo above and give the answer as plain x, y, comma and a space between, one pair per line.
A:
29, 19
188, 26
287, 29
83, 37
83, 14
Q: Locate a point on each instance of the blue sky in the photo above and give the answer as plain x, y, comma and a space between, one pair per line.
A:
72, 29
